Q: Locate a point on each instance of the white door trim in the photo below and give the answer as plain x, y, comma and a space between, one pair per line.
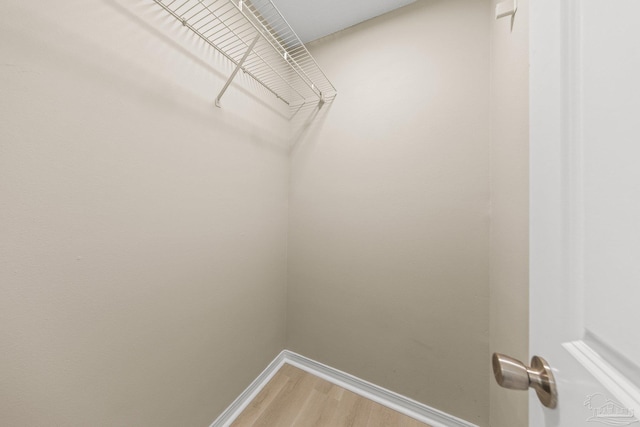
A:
613, 380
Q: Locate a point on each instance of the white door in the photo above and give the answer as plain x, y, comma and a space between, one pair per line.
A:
585, 208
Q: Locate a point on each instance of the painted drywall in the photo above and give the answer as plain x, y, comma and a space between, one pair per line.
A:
143, 248
509, 284
389, 203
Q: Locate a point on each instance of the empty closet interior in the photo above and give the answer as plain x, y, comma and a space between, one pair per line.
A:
188, 189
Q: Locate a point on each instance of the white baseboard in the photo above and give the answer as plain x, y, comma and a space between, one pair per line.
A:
390, 399
237, 406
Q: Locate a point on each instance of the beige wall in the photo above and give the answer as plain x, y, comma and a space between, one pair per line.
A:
143, 231
509, 312
389, 232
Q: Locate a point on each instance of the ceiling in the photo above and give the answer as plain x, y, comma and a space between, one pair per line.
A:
312, 19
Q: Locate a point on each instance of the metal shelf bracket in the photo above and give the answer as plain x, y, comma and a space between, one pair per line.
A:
235, 71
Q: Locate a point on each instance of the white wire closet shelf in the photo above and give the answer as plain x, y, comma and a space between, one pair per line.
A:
256, 38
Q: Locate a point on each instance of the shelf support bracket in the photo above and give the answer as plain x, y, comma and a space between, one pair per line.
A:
238, 67
506, 8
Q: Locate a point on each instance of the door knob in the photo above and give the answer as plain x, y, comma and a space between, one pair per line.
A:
513, 374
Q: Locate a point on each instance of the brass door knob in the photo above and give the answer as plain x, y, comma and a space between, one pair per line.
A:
513, 374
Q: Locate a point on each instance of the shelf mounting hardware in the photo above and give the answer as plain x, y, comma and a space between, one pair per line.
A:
235, 71
506, 8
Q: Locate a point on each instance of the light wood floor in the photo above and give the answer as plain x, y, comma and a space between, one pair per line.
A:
296, 398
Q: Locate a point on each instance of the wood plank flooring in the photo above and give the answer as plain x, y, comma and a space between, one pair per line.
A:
296, 398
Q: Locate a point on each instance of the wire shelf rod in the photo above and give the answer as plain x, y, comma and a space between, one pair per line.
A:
269, 41
305, 79
254, 36
219, 50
